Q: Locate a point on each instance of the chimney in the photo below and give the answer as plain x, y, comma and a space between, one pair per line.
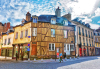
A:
58, 12
8, 26
28, 16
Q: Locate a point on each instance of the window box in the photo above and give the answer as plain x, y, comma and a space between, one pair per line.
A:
51, 46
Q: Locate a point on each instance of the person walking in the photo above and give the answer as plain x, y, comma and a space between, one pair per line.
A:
60, 57
16, 56
65, 56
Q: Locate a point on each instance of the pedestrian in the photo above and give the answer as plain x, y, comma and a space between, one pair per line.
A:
60, 57
16, 56
64, 56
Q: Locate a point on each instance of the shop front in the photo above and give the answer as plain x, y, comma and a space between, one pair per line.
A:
97, 51
6, 52
21, 50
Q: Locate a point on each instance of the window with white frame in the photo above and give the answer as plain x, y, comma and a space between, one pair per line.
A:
16, 35
5, 41
65, 22
65, 34
21, 36
51, 46
53, 21
34, 20
34, 33
52, 32
26, 33
72, 47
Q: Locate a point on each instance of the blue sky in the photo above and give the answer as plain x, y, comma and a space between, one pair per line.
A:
14, 11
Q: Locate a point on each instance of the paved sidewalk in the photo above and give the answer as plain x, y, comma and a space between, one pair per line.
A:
2, 58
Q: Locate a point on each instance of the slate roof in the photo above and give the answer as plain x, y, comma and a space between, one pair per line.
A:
47, 18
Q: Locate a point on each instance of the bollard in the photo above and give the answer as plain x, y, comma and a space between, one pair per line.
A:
70, 58
34, 59
42, 60
74, 58
51, 59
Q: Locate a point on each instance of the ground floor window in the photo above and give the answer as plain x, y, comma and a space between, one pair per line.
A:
72, 47
51, 46
97, 51
3, 52
24, 51
15, 50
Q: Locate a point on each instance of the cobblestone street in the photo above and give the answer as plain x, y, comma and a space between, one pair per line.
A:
82, 63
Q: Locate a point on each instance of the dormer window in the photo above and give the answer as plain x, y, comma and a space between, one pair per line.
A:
34, 20
53, 20
65, 22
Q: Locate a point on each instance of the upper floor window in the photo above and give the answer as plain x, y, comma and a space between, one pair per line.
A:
34, 32
96, 39
65, 22
34, 20
52, 32
21, 36
79, 29
5, 41
83, 39
91, 34
26, 33
51, 46
65, 34
82, 30
53, 21
16, 35
8, 41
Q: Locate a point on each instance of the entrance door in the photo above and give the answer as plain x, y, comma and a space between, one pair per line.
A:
67, 49
34, 49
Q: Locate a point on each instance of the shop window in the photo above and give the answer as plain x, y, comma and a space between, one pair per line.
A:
26, 33
52, 32
51, 46
65, 34
34, 33
72, 47
24, 50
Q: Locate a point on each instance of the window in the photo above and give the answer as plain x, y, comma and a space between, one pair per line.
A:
52, 32
83, 39
34, 33
51, 46
21, 34
68, 47
92, 42
65, 22
86, 32
65, 33
53, 21
16, 35
26, 33
5, 41
91, 34
82, 30
72, 47
64, 46
89, 41
34, 20
8, 41
79, 29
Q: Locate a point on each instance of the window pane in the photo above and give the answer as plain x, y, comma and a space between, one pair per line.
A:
52, 32
68, 47
64, 46
52, 46
72, 47
49, 46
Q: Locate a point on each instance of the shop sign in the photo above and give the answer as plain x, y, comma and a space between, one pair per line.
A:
29, 36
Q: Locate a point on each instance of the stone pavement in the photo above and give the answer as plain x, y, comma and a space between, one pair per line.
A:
44, 60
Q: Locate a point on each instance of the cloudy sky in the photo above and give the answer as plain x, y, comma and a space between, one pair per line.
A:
14, 11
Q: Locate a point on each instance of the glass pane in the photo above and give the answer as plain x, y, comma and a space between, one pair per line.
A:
49, 46
68, 47
72, 47
52, 46
64, 46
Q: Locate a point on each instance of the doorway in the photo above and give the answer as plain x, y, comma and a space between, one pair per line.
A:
67, 49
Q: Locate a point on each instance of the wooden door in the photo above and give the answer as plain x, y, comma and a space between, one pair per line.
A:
34, 49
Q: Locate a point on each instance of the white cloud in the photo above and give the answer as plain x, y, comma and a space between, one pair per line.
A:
98, 21
94, 26
97, 12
